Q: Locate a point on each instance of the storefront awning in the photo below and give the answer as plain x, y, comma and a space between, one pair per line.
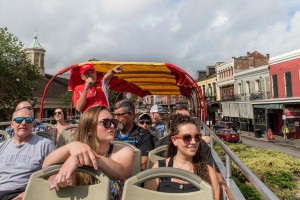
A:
237, 109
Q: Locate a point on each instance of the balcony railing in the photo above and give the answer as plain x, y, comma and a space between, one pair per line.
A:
229, 98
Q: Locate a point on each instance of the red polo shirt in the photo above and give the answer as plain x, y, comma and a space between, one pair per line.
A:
95, 95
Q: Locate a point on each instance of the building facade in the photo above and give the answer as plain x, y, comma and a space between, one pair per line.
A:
285, 93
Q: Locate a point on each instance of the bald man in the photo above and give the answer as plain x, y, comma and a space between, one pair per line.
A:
38, 126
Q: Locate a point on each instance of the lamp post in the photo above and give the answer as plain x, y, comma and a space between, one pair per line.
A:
208, 107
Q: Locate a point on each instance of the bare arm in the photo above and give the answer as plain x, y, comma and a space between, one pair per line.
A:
144, 160
153, 184
214, 182
119, 165
110, 73
82, 99
82, 152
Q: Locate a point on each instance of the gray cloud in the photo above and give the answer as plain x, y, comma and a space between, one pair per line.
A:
188, 33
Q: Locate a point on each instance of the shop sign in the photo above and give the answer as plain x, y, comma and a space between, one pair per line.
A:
292, 112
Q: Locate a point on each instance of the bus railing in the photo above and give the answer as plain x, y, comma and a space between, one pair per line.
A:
231, 157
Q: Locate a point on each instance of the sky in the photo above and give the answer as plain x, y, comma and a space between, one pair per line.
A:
191, 34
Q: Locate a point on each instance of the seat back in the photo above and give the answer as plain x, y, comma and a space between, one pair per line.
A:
155, 155
49, 135
4, 136
38, 186
137, 156
52, 128
71, 127
132, 190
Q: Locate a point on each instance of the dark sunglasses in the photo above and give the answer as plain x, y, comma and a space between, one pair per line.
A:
57, 113
188, 137
25, 107
19, 120
107, 123
143, 122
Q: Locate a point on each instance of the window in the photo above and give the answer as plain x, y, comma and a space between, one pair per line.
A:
240, 88
173, 99
248, 87
288, 84
214, 88
257, 85
274, 86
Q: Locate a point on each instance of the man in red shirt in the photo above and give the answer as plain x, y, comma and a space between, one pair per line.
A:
92, 93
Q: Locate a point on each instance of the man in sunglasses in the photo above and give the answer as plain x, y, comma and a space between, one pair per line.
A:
21, 155
145, 122
129, 132
92, 92
38, 126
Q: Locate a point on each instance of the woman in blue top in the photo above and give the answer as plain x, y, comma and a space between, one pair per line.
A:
92, 147
184, 152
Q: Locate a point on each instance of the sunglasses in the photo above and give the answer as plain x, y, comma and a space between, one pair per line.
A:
143, 122
57, 113
25, 107
187, 138
108, 122
19, 120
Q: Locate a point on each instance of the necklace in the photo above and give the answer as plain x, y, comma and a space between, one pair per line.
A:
181, 167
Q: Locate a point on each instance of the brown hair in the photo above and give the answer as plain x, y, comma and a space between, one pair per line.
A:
87, 133
199, 160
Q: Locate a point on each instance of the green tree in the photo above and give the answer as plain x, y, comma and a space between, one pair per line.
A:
17, 76
66, 98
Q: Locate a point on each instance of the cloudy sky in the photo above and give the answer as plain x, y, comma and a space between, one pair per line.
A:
188, 33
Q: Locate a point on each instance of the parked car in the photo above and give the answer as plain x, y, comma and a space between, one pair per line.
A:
224, 125
228, 135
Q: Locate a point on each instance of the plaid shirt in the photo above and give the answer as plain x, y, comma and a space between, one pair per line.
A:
38, 126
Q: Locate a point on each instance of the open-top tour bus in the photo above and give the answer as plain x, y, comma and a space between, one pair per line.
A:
142, 79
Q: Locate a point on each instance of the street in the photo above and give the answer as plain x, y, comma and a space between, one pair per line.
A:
292, 151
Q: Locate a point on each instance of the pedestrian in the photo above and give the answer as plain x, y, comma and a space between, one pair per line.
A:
270, 134
285, 132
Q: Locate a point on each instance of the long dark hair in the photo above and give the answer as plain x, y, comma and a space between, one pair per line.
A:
199, 160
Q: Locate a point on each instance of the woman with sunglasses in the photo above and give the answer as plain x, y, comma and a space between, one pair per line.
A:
92, 147
184, 152
60, 116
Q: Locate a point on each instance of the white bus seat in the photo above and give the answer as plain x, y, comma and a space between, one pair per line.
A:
137, 156
132, 189
52, 128
154, 155
38, 186
67, 135
71, 126
4, 136
49, 135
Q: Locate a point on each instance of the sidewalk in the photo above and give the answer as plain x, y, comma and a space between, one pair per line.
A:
277, 139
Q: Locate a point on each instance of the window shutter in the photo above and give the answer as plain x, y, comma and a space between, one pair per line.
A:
275, 86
